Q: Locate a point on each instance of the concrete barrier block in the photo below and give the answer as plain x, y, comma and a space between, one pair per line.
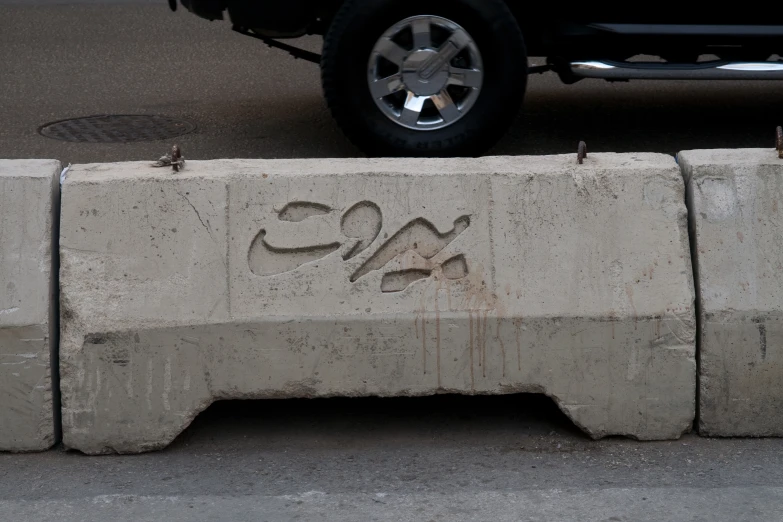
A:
305, 278
736, 204
28, 191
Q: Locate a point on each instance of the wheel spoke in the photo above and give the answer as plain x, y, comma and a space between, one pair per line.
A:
412, 109
459, 39
465, 77
391, 51
422, 38
445, 105
386, 86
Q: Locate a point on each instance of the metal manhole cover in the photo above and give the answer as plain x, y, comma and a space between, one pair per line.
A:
117, 128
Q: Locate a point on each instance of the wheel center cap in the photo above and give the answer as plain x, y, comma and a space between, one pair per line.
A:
425, 72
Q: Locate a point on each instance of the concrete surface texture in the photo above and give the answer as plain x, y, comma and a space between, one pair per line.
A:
261, 279
736, 200
28, 189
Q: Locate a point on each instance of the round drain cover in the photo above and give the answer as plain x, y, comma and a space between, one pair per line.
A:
117, 128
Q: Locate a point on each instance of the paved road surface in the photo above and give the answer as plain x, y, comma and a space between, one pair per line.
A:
444, 459
449, 459
134, 56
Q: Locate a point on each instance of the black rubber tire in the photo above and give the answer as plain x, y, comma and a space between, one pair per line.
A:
348, 44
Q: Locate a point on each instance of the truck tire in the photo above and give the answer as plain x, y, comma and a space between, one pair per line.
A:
424, 78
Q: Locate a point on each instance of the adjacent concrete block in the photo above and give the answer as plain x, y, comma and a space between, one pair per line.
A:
260, 279
28, 191
736, 204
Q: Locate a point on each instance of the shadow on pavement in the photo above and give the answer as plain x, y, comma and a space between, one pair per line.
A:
644, 116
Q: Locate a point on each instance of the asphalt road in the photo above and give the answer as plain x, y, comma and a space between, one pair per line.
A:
513, 458
452, 459
67, 58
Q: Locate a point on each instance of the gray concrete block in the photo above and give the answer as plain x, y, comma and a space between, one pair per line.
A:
306, 278
736, 204
28, 192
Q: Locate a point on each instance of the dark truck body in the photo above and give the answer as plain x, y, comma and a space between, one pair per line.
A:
567, 31
447, 77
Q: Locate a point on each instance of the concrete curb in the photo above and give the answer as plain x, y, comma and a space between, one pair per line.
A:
28, 326
307, 278
256, 279
736, 206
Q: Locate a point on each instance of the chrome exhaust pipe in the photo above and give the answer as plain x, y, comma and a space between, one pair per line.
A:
715, 70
